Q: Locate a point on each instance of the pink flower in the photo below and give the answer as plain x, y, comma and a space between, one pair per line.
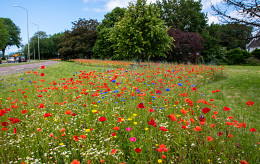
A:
133, 139
128, 129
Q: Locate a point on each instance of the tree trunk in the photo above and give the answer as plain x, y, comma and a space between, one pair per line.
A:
3, 50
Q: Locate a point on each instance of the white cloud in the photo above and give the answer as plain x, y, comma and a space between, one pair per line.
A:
207, 3
212, 19
85, 1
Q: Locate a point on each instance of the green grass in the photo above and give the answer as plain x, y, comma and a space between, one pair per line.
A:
237, 85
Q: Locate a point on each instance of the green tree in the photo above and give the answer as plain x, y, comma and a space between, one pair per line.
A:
235, 35
4, 35
13, 34
80, 41
183, 14
103, 47
54, 41
141, 33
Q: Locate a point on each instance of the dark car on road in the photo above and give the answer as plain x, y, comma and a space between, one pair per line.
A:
11, 60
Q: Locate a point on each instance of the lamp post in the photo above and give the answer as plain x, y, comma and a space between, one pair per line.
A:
28, 56
38, 41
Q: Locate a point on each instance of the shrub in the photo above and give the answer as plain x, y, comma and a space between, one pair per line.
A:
235, 56
256, 53
253, 61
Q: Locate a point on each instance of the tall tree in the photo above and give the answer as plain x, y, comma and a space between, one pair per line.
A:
4, 34
185, 15
187, 46
141, 33
13, 34
240, 11
103, 47
80, 41
235, 35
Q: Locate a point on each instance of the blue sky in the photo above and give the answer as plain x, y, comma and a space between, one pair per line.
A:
54, 16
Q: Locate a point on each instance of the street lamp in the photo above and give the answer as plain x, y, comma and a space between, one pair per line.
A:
27, 30
38, 41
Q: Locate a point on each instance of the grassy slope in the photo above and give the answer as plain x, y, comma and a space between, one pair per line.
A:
239, 84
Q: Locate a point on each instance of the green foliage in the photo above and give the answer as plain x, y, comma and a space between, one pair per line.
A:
256, 53
4, 34
237, 56
103, 46
234, 35
253, 61
13, 34
79, 42
141, 34
183, 14
215, 55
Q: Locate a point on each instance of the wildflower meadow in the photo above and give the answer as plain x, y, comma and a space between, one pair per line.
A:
90, 111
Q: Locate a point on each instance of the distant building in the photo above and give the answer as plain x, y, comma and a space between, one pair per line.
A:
254, 44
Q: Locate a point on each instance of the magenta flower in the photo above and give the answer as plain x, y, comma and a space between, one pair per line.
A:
128, 128
133, 139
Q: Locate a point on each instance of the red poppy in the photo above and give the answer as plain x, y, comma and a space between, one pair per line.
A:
192, 120
42, 67
14, 130
205, 110
4, 123
152, 122
209, 138
73, 114
243, 162
163, 156
113, 151
42, 74
183, 111
75, 138
68, 112
102, 119
24, 111
140, 106
212, 125
193, 88
162, 148
41, 106
75, 162
226, 109
163, 129
230, 135
83, 136
116, 128
219, 133
113, 134
47, 115
250, 103
138, 150
172, 116
253, 130
184, 127
198, 128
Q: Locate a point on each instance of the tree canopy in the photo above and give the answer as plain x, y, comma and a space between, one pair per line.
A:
103, 47
185, 15
80, 40
13, 34
141, 33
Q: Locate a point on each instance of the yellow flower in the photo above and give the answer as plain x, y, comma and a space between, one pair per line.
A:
146, 129
95, 105
122, 119
134, 114
178, 115
135, 123
61, 144
129, 119
32, 109
174, 105
103, 112
159, 161
87, 130
54, 119
93, 111
209, 160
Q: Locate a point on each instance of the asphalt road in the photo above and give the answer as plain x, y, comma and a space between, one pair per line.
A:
7, 70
